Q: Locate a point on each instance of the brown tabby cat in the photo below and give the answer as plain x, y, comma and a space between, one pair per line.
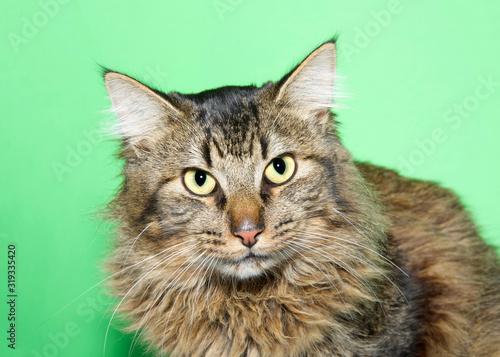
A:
248, 230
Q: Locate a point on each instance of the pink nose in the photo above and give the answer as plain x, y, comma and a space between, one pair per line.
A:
248, 237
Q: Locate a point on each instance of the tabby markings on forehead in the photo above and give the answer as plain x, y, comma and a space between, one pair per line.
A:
239, 149
252, 137
206, 153
264, 143
218, 147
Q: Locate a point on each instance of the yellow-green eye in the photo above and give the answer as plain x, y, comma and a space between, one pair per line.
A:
280, 169
199, 182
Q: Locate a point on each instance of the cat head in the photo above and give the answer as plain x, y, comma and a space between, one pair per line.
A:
233, 179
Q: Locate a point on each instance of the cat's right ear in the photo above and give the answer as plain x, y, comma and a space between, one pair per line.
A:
309, 88
141, 111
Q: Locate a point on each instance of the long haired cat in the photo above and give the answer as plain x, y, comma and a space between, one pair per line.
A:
246, 229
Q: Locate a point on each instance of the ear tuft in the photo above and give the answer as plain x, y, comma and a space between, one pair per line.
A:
139, 109
310, 86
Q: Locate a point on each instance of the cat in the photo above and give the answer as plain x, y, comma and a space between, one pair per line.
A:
247, 229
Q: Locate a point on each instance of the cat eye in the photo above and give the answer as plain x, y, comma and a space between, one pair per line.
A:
199, 182
280, 169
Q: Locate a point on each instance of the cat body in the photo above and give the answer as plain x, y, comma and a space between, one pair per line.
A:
246, 229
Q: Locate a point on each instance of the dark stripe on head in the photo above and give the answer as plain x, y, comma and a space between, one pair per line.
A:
150, 209
255, 112
252, 137
205, 148
203, 119
329, 165
264, 143
151, 206
217, 146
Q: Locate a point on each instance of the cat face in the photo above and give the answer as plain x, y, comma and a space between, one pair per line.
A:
230, 176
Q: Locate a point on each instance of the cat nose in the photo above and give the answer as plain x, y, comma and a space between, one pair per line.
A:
248, 237
245, 220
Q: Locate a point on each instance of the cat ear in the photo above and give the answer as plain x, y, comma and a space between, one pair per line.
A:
310, 86
140, 111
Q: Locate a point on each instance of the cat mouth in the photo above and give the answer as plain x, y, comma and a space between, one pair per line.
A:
249, 265
251, 258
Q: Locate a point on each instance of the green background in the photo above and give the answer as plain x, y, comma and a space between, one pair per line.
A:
416, 74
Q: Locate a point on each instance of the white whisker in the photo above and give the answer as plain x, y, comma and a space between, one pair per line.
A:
365, 262
117, 307
135, 240
335, 287
357, 244
343, 265
179, 252
177, 297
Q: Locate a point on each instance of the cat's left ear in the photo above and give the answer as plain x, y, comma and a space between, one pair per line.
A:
309, 88
140, 110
